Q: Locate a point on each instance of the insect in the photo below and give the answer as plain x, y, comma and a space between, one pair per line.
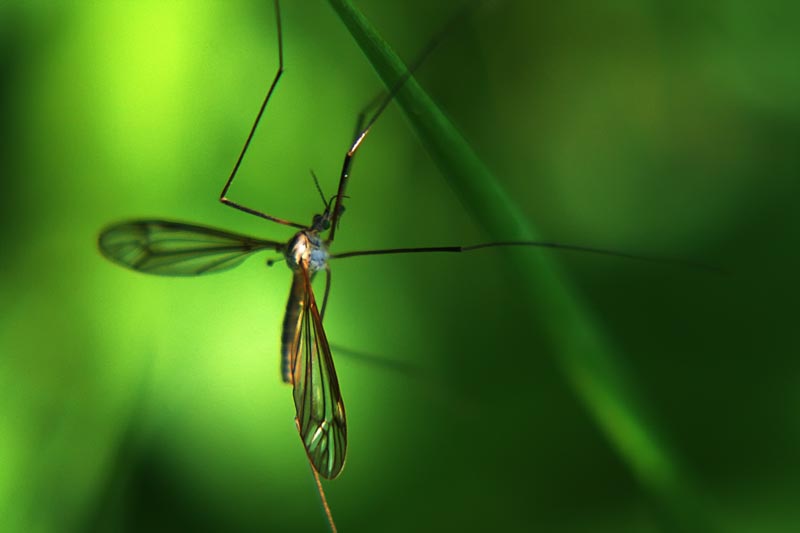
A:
169, 248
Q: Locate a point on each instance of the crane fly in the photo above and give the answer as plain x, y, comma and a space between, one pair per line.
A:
169, 248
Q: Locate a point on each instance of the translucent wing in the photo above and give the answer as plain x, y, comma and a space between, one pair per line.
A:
318, 402
176, 249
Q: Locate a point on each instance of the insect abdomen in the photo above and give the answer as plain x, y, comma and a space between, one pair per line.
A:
290, 335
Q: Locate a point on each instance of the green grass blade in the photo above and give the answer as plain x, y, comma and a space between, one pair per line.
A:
590, 362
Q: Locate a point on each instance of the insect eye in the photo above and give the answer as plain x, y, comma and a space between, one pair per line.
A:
321, 222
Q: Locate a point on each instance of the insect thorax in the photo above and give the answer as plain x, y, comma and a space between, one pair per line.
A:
307, 248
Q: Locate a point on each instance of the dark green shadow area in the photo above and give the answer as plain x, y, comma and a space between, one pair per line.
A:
591, 363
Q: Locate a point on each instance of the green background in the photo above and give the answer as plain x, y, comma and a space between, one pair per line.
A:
133, 403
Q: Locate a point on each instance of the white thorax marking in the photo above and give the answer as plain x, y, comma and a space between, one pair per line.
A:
308, 249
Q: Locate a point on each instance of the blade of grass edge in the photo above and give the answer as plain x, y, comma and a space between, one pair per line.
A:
590, 363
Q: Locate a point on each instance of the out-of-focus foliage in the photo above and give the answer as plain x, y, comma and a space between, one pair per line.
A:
135, 403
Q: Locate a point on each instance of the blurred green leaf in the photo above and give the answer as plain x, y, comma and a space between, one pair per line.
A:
591, 363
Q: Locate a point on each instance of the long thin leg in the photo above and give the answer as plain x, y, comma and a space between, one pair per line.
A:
403, 367
532, 244
223, 195
362, 133
362, 115
327, 291
320, 491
